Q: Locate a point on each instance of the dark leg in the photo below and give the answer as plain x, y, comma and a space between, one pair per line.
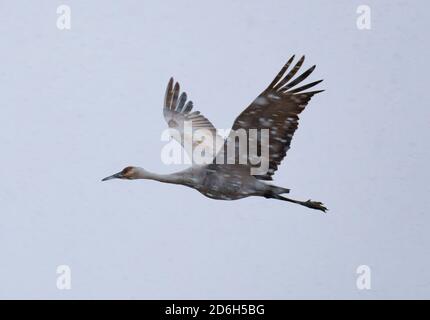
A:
310, 204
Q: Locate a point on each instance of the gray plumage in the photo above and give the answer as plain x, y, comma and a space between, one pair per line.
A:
276, 109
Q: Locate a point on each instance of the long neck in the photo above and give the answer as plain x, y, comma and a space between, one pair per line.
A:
176, 178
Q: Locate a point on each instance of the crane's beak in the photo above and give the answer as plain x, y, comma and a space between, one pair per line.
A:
114, 176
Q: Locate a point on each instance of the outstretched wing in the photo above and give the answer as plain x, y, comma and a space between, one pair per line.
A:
276, 109
191, 129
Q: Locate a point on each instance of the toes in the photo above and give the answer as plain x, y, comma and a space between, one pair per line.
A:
316, 205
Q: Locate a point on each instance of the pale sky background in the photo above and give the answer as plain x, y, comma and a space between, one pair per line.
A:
81, 104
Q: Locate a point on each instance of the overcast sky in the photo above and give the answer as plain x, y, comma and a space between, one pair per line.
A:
80, 104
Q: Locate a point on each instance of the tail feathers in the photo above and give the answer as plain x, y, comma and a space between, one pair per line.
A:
279, 190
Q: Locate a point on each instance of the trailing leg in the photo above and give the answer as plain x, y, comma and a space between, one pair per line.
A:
310, 204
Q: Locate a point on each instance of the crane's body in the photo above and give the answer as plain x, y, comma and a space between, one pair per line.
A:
224, 182
276, 109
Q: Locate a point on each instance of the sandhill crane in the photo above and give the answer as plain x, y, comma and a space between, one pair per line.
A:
276, 109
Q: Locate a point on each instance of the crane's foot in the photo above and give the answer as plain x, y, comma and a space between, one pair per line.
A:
314, 205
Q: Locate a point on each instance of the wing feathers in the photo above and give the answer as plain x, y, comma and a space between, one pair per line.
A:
188, 107
182, 100
171, 100
178, 111
277, 109
176, 89
299, 79
281, 73
305, 87
291, 74
168, 95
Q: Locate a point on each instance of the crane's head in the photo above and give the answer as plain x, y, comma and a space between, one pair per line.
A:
127, 173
